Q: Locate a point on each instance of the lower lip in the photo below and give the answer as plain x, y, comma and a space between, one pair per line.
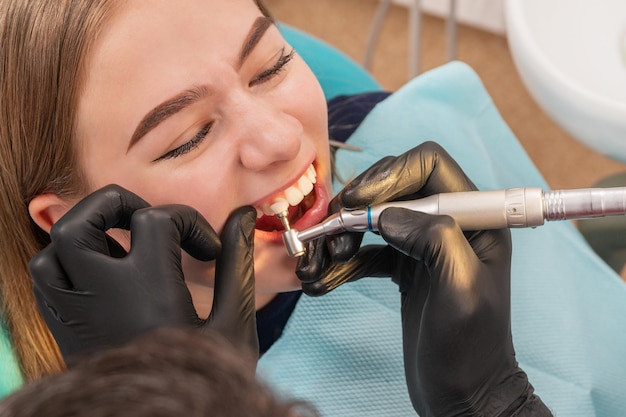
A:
314, 215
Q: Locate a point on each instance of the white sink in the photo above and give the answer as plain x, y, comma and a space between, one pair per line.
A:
571, 55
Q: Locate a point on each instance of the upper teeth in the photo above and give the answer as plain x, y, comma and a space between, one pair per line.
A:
292, 196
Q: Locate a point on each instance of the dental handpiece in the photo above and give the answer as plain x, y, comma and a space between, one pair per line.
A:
474, 210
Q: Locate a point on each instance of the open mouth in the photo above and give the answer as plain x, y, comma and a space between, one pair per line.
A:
297, 199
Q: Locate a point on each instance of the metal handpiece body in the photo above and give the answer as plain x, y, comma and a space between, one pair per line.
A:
477, 210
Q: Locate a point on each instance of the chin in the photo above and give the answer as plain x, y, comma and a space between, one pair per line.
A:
274, 270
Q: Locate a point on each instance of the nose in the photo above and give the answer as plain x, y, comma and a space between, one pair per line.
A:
266, 134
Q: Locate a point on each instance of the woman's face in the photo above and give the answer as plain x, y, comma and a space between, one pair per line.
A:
202, 102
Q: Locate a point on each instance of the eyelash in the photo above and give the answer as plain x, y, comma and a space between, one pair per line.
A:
280, 65
189, 146
264, 76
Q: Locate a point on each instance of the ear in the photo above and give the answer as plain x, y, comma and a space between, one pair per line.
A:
47, 209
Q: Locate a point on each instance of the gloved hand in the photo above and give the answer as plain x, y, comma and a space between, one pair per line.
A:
93, 295
455, 288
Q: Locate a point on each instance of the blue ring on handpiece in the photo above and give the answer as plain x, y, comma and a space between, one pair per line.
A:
369, 219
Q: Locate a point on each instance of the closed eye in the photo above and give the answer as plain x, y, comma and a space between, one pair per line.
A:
280, 64
188, 146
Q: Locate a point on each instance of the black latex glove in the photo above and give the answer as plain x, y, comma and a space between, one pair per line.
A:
93, 295
455, 288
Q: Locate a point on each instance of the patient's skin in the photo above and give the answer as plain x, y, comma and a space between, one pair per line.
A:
252, 121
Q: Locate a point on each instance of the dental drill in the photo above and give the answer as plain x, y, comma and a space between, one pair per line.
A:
472, 210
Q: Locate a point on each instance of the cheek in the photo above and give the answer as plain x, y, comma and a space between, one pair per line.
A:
212, 199
120, 236
305, 100
194, 185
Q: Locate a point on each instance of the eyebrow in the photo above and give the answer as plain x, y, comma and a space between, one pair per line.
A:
259, 27
179, 102
166, 109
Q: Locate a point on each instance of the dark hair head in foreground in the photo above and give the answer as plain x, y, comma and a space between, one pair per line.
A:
165, 373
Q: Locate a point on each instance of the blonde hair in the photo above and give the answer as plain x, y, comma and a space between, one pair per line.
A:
44, 53
44, 47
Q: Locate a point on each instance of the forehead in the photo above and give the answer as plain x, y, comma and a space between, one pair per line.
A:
150, 50
132, 18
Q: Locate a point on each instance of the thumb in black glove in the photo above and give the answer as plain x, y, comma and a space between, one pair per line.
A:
93, 295
455, 288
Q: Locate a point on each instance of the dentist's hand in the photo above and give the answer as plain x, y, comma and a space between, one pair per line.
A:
455, 288
93, 295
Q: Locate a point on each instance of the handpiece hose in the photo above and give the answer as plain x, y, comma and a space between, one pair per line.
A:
477, 210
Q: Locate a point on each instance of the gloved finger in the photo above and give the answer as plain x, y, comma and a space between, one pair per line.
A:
334, 248
173, 226
82, 228
317, 257
312, 265
422, 171
233, 313
343, 246
432, 239
51, 288
46, 271
54, 294
369, 261
55, 322
441, 245
159, 234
